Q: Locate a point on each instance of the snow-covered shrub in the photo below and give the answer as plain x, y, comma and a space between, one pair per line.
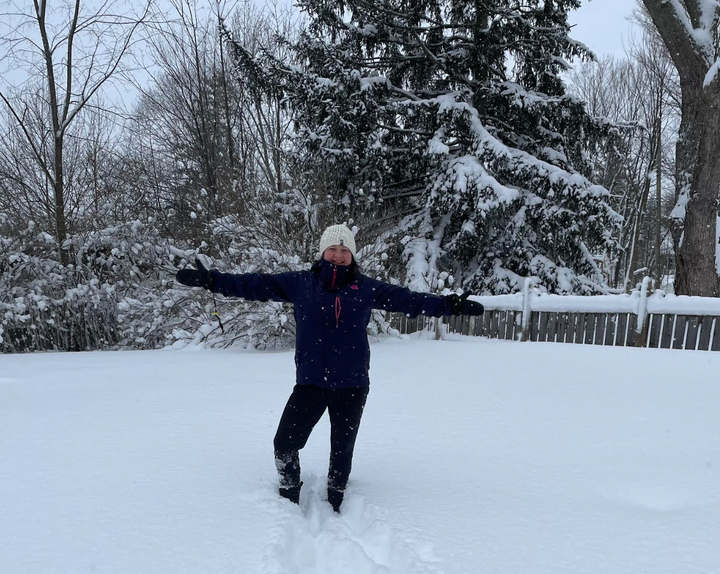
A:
119, 291
112, 295
47, 306
136, 264
227, 321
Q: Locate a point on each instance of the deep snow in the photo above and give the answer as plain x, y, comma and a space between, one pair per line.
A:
474, 457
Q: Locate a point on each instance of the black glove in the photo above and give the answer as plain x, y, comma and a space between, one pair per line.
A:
461, 305
200, 278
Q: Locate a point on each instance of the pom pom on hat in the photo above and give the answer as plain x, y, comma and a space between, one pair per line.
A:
337, 235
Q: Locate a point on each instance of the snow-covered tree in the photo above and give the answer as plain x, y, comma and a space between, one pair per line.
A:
691, 31
448, 121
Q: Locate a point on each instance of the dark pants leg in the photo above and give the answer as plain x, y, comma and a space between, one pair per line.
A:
306, 405
346, 409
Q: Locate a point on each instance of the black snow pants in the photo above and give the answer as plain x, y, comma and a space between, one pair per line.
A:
304, 408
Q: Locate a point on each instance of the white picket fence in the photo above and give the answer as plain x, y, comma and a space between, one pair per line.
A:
636, 319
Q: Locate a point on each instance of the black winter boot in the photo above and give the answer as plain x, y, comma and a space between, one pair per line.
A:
335, 498
292, 493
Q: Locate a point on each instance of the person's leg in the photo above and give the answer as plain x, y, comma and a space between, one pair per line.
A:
304, 408
346, 409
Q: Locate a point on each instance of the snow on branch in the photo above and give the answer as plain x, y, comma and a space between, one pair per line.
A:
701, 35
491, 148
712, 74
709, 10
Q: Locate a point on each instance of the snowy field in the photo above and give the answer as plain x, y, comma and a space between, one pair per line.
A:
474, 457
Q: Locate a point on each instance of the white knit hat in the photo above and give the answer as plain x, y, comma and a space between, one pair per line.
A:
337, 235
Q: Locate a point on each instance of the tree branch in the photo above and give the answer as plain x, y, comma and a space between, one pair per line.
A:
675, 26
68, 80
28, 136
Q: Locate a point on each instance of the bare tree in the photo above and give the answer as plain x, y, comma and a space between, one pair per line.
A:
221, 142
630, 92
689, 29
656, 82
188, 123
76, 47
267, 125
25, 190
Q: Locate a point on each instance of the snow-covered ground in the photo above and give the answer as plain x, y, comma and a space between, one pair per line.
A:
474, 457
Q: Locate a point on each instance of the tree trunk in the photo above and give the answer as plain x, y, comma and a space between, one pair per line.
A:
698, 148
697, 250
59, 190
630, 280
654, 145
686, 154
659, 267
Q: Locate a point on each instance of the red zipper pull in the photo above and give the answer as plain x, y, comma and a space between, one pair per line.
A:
338, 308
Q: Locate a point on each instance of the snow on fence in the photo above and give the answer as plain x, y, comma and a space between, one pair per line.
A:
636, 319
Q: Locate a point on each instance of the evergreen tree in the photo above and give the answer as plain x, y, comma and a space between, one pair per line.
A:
450, 120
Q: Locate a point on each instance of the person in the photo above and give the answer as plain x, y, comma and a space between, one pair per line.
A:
333, 302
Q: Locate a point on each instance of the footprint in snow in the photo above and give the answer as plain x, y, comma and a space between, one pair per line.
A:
312, 539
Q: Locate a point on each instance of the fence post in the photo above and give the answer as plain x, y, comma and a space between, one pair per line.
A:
526, 310
642, 328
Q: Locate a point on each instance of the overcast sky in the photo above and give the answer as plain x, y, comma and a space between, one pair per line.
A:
602, 25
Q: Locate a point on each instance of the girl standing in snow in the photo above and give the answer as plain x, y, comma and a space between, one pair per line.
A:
333, 303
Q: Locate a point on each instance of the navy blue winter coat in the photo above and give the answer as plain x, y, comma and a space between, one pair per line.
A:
333, 305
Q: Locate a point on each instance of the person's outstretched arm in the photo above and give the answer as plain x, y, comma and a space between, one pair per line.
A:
253, 286
412, 303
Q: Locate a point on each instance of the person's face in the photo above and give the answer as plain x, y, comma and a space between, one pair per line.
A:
338, 254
